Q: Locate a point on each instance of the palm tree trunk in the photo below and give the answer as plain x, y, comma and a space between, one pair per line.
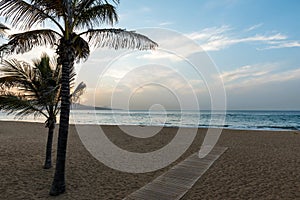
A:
51, 127
66, 59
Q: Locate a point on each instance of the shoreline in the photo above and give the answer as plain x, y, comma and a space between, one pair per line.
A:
225, 127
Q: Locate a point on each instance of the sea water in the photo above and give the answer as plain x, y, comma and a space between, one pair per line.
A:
253, 120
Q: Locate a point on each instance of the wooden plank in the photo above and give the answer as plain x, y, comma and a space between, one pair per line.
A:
175, 181
173, 184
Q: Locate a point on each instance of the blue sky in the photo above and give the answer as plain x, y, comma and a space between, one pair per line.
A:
255, 44
248, 48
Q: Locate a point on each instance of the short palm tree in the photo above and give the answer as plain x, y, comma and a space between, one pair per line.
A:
33, 89
69, 17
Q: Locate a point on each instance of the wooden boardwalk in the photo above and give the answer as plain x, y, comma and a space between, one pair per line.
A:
173, 184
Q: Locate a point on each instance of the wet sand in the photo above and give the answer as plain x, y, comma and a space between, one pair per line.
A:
257, 165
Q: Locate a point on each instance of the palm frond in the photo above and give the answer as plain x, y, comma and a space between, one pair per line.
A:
4, 48
82, 48
83, 4
3, 29
22, 14
50, 6
49, 79
78, 92
24, 42
16, 104
45, 66
118, 38
17, 74
95, 16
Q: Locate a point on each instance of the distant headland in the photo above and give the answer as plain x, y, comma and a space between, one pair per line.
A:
77, 106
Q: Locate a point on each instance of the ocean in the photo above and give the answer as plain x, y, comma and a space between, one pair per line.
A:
250, 120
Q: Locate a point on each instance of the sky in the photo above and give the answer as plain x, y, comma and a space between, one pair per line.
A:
212, 54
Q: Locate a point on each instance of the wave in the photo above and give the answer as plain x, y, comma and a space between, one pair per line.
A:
296, 128
266, 127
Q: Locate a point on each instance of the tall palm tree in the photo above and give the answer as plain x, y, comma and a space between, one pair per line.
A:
33, 89
69, 17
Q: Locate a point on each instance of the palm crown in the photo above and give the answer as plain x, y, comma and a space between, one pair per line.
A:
76, 15
33, 89
30, 89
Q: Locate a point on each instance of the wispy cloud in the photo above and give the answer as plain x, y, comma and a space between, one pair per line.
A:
159, 55
218, 38
283, 44
247, 71
165, 23
257, 75
209, 33
251, 28
223, 42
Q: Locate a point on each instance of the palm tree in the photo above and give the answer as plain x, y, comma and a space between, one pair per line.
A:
33, 89
72, 45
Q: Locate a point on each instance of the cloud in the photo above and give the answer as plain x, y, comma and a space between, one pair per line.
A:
218, 38
262, 86
165, 23
223, 42
277, 77
153, 83
257, 75
158, 55
245, 72
209, 33
251, 28
284, 44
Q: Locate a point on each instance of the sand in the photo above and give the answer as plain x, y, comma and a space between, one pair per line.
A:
257, 165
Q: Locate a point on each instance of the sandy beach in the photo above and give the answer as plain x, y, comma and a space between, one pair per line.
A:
257, 165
